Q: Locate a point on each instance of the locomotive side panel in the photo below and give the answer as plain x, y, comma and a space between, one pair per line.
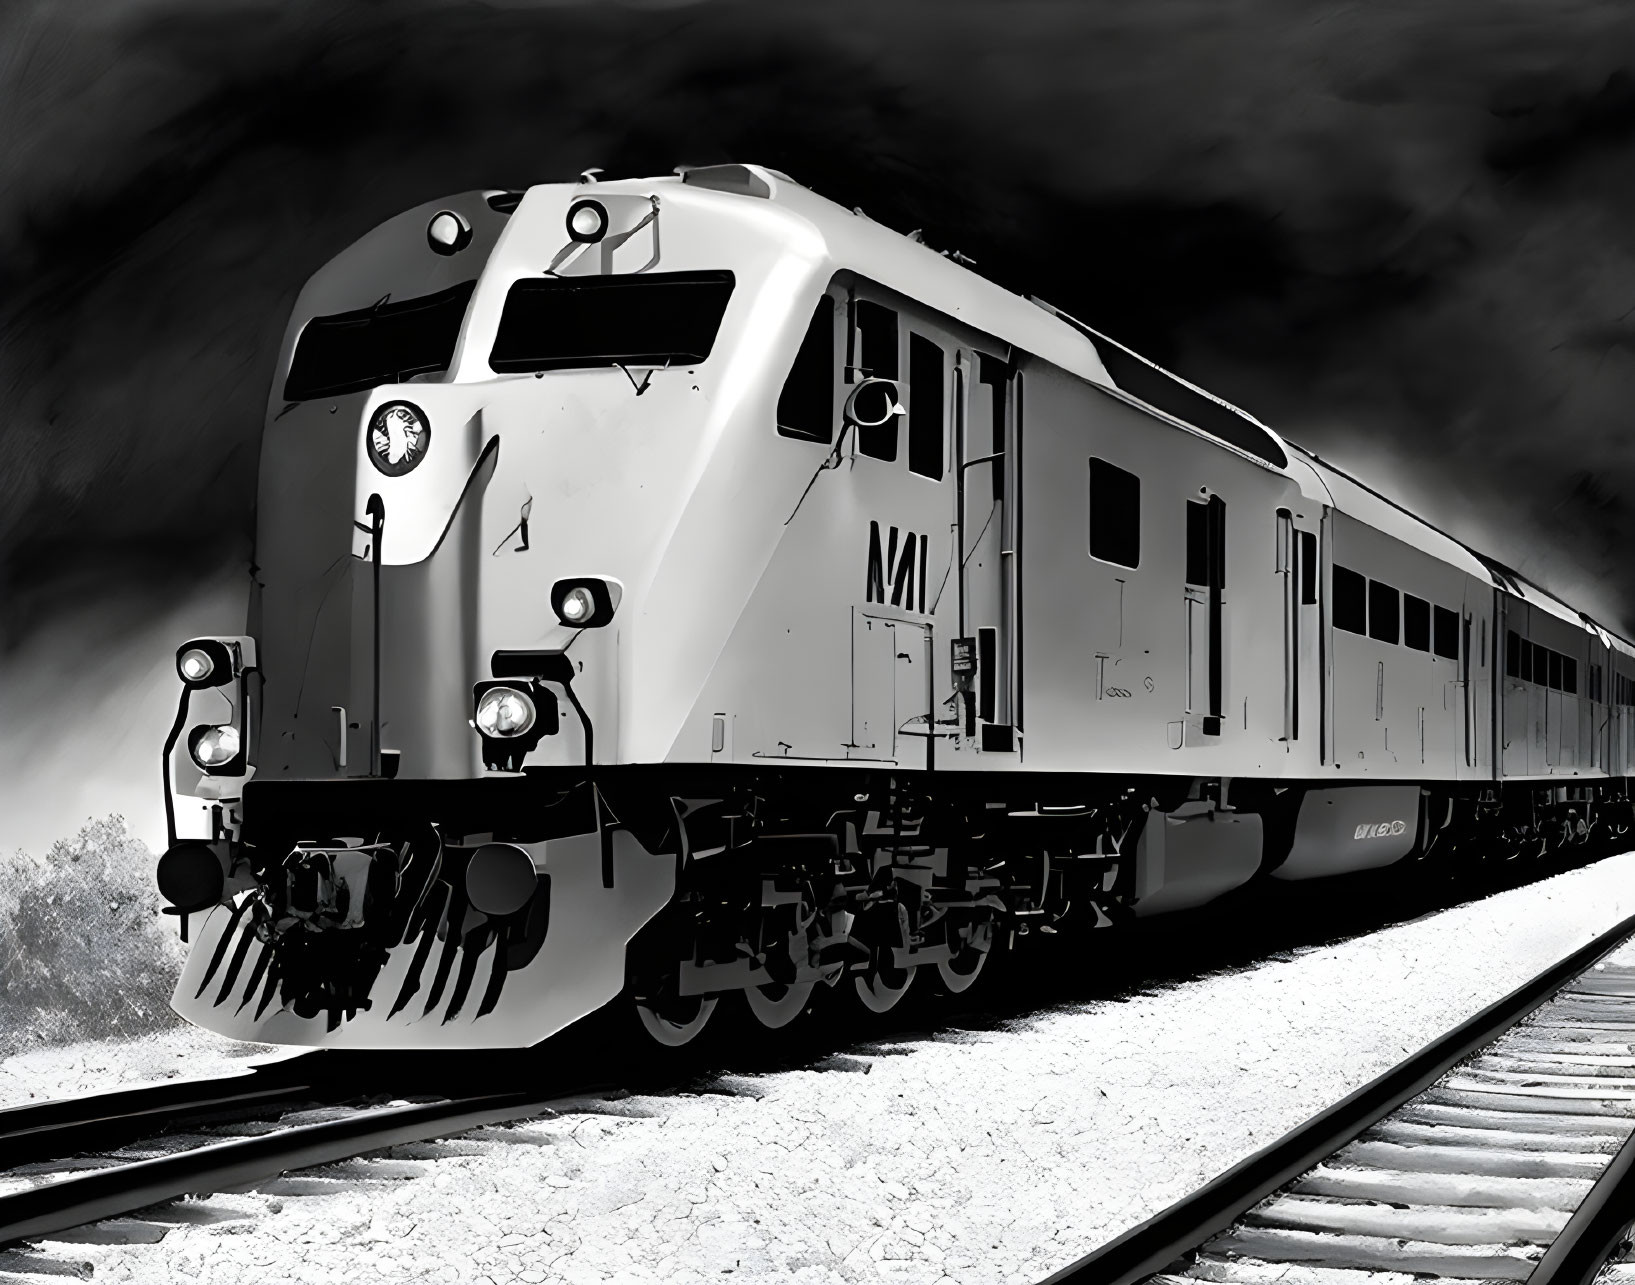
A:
1548, 683
1621, 708
1409, 661
1133, 531
838, 655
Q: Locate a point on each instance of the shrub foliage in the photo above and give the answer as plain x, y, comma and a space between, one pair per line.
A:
84, 952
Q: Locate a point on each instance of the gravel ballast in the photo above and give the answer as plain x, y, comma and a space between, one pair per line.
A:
970, 1157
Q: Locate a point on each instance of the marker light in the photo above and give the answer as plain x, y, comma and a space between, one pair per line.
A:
577, 605
213, 747
207, 662
587, 221
505, 711
399, 435
194, 665
448, 233
584, 602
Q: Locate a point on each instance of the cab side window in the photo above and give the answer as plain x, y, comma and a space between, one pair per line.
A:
925, 418
806, 406
876, 358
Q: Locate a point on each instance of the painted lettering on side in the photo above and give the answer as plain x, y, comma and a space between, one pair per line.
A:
1381, 830
892, 570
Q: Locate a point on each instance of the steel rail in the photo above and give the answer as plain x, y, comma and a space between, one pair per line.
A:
1580, 1250
1189, 1222
61, 1126
122, 1189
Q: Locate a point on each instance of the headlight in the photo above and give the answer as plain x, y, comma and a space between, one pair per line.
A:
587, 221
505, 711
399, 436
207, 662
194, 665
577, 605
213, 747
448, 233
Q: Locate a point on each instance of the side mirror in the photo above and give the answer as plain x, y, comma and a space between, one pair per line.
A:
872, 403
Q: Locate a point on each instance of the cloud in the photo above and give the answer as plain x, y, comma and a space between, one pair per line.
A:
1402, 235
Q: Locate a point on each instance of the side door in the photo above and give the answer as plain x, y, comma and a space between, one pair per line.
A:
1203, 597
1299, 563
904, 482
986, 537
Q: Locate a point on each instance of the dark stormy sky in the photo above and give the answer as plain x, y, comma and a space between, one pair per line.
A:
1403, 234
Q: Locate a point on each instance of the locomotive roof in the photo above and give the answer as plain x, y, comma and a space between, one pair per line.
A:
913, 269
857, 243
1357, 499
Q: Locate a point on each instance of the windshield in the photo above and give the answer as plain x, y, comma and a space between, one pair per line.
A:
384, 344
650, 319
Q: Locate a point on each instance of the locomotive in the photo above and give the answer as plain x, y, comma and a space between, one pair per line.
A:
677, 588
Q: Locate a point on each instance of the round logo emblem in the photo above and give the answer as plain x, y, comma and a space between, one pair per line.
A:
399, 435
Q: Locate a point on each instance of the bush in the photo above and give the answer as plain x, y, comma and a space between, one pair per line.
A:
84, 951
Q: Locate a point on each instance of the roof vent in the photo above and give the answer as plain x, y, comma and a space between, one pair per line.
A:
738, 179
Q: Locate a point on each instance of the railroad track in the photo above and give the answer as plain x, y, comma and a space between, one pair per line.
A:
1503, 1151
101, 1167
63, 1126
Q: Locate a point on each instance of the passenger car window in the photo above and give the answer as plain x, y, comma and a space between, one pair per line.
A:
1416, 622
1384, 611
1115, 514
1445, 623
1350, 600
806, 406
1308, 568
1512, 653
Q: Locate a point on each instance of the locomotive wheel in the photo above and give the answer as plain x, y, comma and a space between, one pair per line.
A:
677, 1021
960, 973
881, 989
776, 1005
780, 1002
